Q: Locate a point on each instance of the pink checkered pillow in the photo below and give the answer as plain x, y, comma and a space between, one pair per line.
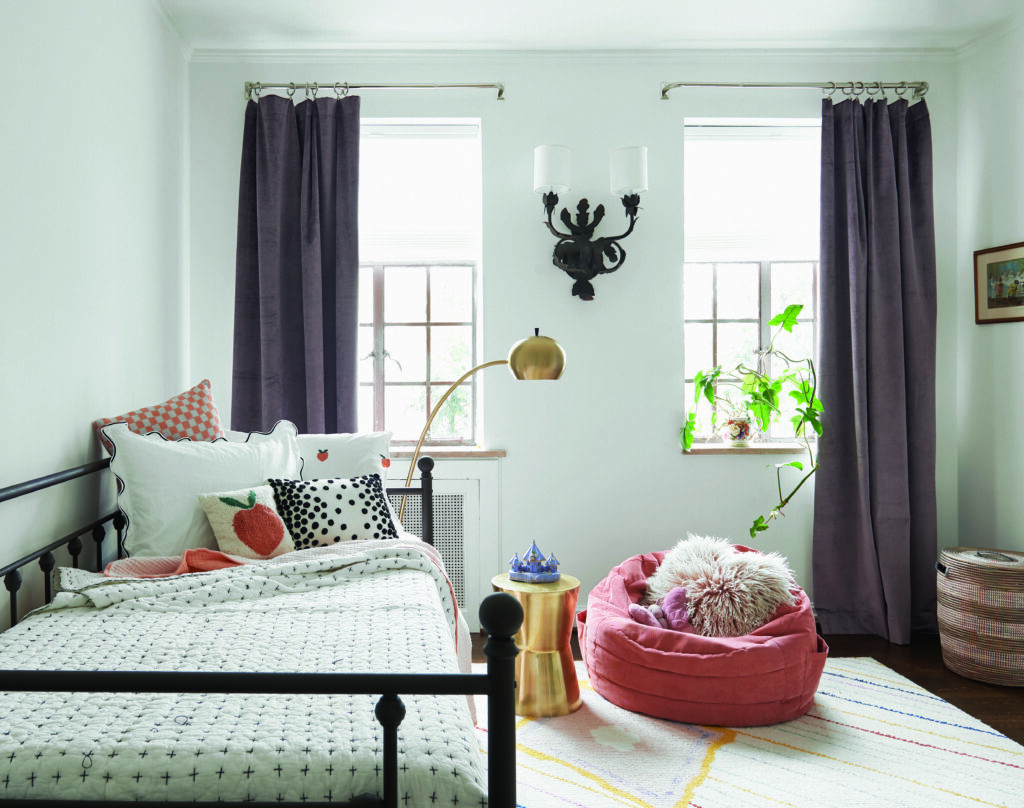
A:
191, 414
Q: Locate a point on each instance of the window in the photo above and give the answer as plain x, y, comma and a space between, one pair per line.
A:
751, 194
419, 244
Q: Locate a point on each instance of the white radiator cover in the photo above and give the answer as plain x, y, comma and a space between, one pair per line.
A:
457, 537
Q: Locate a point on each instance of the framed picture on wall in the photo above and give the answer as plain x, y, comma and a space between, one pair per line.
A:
999, 284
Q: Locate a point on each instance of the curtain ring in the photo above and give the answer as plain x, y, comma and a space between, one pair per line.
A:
337, 90
873, 88
291, 89
258, 88
901, 90
316, 89
830, 89
847, 88
859, 87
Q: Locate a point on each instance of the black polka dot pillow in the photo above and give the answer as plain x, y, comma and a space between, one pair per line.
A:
321, 512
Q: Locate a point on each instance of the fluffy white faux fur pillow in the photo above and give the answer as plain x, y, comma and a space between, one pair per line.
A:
729, 592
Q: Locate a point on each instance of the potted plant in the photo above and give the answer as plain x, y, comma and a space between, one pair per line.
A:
757, 393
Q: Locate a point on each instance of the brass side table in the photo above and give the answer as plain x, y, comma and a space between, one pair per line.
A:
546, 681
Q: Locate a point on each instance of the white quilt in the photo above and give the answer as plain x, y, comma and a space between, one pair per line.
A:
365, 607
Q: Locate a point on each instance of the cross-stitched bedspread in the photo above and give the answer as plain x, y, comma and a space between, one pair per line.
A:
370, 606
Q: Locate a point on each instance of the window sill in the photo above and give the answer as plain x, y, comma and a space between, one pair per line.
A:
448, 452
718, 448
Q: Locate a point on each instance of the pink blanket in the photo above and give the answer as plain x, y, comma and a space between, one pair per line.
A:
199, 559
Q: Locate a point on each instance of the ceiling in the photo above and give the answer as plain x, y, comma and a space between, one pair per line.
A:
560, 25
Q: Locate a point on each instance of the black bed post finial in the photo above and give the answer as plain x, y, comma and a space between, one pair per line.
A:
119, 523
12, 581
501, 615
98, 534
426, 467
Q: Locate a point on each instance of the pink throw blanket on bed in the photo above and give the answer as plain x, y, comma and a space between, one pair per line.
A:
199, 559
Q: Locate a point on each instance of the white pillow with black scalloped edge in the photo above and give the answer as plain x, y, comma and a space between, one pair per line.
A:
160, 482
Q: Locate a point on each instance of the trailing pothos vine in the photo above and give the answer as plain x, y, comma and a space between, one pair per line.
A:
760, 395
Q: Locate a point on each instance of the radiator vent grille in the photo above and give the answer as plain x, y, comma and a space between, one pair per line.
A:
449, 533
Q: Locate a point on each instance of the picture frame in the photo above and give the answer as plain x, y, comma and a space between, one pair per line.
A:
999, 284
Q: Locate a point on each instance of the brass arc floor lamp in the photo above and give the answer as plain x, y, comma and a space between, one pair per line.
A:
532, 358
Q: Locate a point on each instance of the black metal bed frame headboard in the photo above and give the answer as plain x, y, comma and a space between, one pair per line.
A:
97, 529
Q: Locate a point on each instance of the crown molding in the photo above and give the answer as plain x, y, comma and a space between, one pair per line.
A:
990, 38
660, 57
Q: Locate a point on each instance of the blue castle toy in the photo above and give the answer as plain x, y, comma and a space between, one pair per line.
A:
533, 567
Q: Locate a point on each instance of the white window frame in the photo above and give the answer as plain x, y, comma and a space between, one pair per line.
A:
443, 251
381, 358
764, 315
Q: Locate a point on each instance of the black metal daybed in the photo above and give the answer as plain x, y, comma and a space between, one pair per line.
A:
500, 615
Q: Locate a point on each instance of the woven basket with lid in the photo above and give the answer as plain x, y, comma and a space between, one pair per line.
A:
981, 613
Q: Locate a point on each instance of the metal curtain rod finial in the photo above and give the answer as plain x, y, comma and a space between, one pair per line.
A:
341, 89
849, 88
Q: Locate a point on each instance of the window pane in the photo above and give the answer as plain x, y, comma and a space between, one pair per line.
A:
364, 352
697, 348
406, 359
751, 192
738, 291
451, 294
454, 419
797, 344
364, 408
366, 294
736, 344
793, 283
405, 411
405, 294
450, 351
697, 291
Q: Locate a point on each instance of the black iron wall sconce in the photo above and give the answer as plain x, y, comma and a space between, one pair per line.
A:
577, 252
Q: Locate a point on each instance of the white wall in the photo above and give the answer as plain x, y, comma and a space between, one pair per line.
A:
990, 212
593, 470
91, 205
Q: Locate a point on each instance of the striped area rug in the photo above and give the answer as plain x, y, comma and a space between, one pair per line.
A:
872, 738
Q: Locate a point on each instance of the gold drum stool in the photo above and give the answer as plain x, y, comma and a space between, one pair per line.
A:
546, 681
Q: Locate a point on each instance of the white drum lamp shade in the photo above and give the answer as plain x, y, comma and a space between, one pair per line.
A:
628, 169
551, 169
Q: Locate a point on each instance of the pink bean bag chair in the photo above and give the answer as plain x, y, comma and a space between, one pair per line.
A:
764, 677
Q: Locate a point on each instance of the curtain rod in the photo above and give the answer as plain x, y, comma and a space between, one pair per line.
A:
341, 88
846, 87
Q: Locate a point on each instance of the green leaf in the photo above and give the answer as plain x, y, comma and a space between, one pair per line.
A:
686, 433
759, 526
234, 503
788, 318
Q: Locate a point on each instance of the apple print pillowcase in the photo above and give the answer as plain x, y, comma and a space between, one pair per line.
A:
345, 455
246, 523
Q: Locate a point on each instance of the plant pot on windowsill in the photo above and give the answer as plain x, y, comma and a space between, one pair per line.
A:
737, 431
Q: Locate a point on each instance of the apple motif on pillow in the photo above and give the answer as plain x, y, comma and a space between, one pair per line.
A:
257, 526
321, 455
385, 462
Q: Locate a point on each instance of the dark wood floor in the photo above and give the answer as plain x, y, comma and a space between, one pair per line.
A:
1002, 708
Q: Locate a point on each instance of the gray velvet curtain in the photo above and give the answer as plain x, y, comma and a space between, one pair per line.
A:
297, 266
874, 502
